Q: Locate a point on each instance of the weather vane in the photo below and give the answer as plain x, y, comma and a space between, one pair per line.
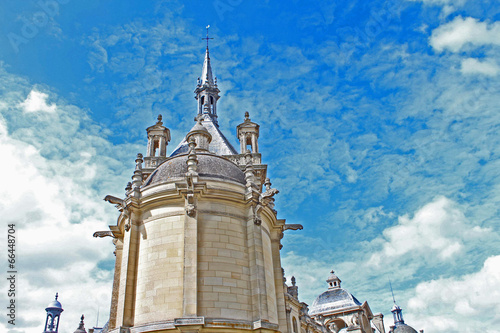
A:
207, 38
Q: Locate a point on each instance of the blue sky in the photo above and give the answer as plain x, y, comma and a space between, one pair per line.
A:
379, 122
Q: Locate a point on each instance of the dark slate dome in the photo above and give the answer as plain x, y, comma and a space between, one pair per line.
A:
403, 328
333, 299
209, 166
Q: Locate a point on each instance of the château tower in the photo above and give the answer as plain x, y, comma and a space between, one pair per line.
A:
197, 240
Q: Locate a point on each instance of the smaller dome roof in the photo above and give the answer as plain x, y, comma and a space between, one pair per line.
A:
403, 328
395, 307
333, 299
55, 303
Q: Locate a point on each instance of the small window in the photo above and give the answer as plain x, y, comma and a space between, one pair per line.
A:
295, 329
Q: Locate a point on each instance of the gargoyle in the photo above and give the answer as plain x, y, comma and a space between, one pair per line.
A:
102, 234
120, 203
293, 227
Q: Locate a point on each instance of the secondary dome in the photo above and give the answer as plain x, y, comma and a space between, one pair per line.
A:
333, 299
209, 166
403, 328
55, 304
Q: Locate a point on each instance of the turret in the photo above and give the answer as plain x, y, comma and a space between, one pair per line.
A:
248, 134
54, 310
333, 281
158, 139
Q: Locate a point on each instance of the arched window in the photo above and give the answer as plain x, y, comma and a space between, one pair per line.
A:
294, 323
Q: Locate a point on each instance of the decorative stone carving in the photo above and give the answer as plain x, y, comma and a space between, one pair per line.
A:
293, 227
120, 203
102, 234
190, 210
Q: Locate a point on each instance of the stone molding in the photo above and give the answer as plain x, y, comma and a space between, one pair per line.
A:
211, 323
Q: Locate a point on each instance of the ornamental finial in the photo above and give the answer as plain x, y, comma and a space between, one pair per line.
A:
57, 295
207, 38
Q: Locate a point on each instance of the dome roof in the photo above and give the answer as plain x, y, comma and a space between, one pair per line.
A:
403, 328
209, 166
55, 303
333, 299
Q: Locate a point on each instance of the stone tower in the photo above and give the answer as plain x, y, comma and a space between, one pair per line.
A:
198, 239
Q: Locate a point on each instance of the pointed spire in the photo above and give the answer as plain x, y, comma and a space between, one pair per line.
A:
396, 310
81, 326
206, 74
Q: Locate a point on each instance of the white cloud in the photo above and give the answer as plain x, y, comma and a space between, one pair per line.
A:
474, 66
436, 231
459, 304
58, 169
36, 102
461, 32
55, 218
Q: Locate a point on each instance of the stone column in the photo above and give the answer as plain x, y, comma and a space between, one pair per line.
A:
242, 143
255, 146
128, 276
116, 282
190, 279
163, 147
257, 272
278, 279
150, 149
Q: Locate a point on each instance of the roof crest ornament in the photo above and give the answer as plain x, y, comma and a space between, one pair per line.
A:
207, 38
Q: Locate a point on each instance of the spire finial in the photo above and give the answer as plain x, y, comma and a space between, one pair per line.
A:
57, 295
207, 38
392, 292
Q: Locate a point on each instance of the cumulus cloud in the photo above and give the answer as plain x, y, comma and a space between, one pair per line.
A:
462, 32
37, 102
58, 167
468, 303
475, 66
436, 231
55, 248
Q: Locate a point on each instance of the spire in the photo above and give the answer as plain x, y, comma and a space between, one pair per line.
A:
206, 73
396, 310
207, 93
